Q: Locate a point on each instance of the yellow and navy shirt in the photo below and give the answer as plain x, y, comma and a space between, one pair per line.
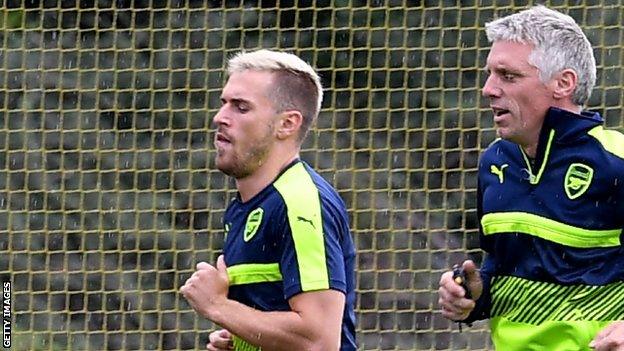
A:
292, 237
552, 231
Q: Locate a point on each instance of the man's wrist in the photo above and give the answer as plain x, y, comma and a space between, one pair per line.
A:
214, 310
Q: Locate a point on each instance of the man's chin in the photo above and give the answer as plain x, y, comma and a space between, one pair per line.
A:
502, 133
232, 170
228, 171
223, 166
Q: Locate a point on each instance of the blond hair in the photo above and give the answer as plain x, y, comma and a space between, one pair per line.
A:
296, 86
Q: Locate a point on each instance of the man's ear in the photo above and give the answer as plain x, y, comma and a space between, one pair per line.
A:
289, 124
565, 83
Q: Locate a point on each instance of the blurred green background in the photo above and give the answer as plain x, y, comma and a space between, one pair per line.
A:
109, 197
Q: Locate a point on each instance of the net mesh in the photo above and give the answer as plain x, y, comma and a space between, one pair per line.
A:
109, 196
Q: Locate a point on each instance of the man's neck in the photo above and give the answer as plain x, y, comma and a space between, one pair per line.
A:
530, 146
264, 175
530, 150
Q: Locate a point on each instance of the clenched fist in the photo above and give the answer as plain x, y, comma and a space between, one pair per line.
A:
207, 287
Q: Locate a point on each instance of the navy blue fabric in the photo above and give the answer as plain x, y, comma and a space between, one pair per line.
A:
601, 207
273, 243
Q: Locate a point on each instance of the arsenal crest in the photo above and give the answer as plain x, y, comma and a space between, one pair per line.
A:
253, 223
577, 180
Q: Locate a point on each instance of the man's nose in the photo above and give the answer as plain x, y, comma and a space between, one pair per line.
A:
219, 118
490, 88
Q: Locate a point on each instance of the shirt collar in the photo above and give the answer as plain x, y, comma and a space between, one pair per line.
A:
568, 125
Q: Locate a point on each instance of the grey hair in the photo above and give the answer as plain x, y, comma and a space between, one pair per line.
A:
559, 43
296, 86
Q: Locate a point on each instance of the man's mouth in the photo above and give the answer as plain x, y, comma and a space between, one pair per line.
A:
498, 112
221, 139
499, 115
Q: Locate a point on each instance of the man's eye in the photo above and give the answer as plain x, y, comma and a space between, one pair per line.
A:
509, 76
242, 108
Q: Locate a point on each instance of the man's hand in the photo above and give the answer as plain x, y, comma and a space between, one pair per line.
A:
207, 287
455, 306
610, 338
220, 340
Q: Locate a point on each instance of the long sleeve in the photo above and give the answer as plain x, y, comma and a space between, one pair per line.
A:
484, 303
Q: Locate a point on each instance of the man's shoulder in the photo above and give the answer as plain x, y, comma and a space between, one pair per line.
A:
610, 140
302, 182
499, 148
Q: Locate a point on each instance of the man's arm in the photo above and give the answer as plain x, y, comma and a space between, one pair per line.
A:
611, 338
313, 324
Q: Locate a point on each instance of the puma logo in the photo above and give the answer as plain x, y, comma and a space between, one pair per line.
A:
303, 219
499, 172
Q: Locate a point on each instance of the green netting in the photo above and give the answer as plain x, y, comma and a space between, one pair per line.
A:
108, 194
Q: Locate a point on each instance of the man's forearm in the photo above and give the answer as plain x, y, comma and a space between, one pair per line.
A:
272, 331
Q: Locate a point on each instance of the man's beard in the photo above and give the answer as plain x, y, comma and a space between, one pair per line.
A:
242, 167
